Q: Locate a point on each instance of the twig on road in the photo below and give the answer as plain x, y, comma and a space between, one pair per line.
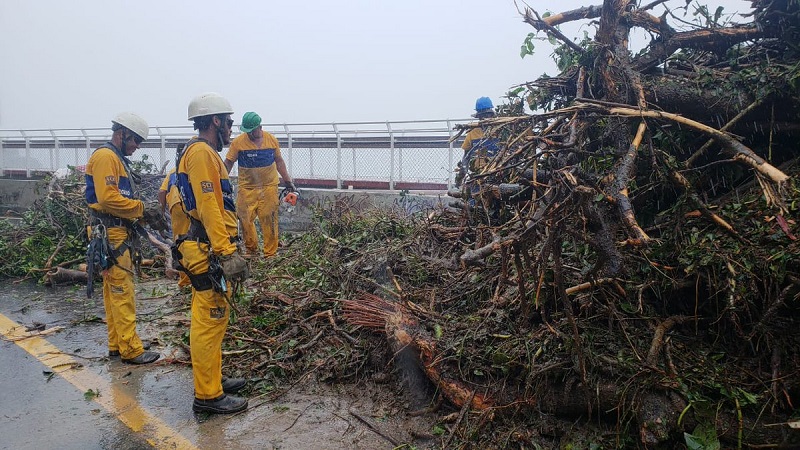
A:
374, 428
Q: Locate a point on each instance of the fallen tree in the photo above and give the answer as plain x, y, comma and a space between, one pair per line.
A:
626, 262
667, 210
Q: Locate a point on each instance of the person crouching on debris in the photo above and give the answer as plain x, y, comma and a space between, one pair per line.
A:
115, 209
208, 252
260, 162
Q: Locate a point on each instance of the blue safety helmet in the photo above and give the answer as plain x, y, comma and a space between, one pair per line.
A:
484, 107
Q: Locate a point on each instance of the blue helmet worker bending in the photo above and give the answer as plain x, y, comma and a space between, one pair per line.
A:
478, 148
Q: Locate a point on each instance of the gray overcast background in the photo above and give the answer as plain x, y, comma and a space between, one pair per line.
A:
72, 64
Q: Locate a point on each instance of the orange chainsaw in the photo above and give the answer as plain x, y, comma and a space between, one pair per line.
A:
289, 196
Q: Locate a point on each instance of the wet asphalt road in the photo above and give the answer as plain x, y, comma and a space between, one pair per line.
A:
41, 409
147, 406
42, 412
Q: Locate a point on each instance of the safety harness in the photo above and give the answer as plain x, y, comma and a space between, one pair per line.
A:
100, 255
214, 278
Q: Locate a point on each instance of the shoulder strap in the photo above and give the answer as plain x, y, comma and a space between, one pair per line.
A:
182, 151
126, 163
196, 229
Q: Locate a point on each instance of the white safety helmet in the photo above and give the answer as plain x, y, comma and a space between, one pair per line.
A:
134, 123
209, 104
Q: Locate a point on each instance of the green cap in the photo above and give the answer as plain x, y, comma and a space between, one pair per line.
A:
250, 121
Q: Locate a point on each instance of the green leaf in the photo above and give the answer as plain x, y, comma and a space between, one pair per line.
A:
704, 437
91, 394
527, 47
692, 442
747, 397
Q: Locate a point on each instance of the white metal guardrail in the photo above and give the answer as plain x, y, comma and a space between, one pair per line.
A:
378, 155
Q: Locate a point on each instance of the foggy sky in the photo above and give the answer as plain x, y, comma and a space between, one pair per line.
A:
74, 64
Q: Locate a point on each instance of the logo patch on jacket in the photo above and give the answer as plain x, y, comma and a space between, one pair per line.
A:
111, 180
206, 186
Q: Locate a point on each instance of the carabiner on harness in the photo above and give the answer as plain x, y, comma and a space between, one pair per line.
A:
216, 275
99, 256
104, 257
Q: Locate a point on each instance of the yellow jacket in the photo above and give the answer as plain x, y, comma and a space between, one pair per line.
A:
207, 194
256, 165
180, 221
481, 148
109, 188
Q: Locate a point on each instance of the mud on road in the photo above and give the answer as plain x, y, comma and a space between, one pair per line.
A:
41, 410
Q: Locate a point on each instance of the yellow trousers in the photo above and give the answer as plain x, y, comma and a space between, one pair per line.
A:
259, 203
210, 312
180, 225
119, 300
183, 280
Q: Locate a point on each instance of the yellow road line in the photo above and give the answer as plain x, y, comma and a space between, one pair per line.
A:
112, 398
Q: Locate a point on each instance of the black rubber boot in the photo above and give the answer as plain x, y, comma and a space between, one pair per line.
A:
144, 358
115, 353
224, 404
232, 385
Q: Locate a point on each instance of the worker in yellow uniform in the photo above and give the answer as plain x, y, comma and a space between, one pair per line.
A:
115, 208
478, 148
170, 200
260, 162
209, 252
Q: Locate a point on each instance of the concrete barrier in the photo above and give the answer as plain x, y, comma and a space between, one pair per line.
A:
18, 196
300, 218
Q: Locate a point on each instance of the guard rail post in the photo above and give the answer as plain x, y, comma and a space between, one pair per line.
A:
391, 155
27, 153
77, 157
311, 159
2, 160
338, 157
449, 155
355, 160
163, 153
53, 150
399, 161
88, 145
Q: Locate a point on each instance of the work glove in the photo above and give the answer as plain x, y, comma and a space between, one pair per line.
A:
291, 187
234, 267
